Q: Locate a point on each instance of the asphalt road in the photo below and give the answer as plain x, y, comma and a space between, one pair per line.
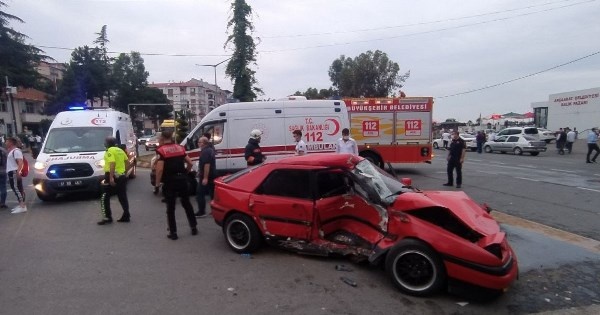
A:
54, 259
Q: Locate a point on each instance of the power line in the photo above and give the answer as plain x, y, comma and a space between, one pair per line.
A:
143, 54
416, 24
519, 78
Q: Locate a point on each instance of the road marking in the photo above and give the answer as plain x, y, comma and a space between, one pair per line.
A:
529, 179
596, 174
527, 165
558, 170
578, 240
475, 160
596, 190
486, 172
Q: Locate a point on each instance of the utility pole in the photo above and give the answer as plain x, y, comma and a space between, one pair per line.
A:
216, 87
9, 92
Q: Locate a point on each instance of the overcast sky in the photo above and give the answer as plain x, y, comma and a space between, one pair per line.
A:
450, 46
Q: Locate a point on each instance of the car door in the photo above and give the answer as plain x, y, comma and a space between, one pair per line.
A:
498, 142
511, 143
284, 205
341, 208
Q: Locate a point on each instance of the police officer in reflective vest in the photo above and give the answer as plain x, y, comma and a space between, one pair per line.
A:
115, 181
172, 168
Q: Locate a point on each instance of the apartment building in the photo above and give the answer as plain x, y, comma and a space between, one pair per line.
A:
29, 112
196, 96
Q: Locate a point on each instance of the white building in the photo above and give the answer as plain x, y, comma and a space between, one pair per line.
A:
197, 96
579, 109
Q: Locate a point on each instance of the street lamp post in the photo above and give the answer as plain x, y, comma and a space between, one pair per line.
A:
215, 68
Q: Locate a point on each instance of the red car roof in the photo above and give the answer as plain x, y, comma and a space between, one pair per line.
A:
342, 160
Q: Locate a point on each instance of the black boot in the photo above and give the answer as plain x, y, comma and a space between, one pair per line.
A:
105, 221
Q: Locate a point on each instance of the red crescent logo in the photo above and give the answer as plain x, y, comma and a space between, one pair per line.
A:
337, 126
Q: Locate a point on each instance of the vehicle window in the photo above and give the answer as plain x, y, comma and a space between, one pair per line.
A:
331, 183
214, 128
76, 139
502, 132
514, 132
531, 131
287, 183
501, 139
513, 139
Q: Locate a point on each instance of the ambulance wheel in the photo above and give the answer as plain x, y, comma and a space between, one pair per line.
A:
373, 158
45, 197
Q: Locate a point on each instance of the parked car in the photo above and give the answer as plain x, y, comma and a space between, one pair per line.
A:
152, 143
516, 144
468, 138
524, 131
142, 140
546, 135
343, 205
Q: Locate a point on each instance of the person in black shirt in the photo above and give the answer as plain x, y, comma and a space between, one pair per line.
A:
206, 175
253, 155
455, 158
172, 168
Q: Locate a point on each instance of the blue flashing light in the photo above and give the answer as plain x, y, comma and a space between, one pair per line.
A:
76, 107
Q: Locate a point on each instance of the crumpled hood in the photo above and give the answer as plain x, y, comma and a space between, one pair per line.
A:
457, 202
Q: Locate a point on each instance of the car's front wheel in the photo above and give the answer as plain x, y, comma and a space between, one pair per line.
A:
518, 151
242, 234
415, 268
487, 149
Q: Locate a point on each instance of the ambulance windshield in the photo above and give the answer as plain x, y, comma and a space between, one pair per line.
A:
76, 139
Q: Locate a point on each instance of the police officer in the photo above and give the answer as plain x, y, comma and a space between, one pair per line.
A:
115, 181
455, 158
253, 155
172, 167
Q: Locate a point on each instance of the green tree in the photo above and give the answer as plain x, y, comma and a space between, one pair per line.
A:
181, 121
105, 79
244, 53
371, 74
314, 94
17, 59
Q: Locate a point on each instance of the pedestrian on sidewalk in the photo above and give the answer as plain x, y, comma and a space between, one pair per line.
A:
14, 166
592, 142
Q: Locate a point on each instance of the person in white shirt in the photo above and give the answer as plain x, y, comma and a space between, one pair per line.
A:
300, 145
446, 138
571, 136
14, 164
346, 144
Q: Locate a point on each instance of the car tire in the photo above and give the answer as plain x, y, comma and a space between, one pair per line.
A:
373, 158
435, 145
488, 149
242, 234
518, 151
415, 268
45, 197
534, 153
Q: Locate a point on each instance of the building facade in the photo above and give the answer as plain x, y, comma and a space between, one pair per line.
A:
28, 112
197, 97
576, 109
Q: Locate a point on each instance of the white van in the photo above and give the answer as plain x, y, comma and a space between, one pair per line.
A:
72, 156
321, 123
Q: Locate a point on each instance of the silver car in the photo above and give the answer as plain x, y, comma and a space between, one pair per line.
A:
516, 144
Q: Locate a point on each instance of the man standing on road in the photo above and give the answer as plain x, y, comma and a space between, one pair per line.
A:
206, 175
115, 181
346, 144
14, 166
455, 158
253, 154
592, 142
172, 168
446, 138
300, 145
480, 138
571, 136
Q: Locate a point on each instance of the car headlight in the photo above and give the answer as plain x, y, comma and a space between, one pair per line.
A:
99, 164
40, 165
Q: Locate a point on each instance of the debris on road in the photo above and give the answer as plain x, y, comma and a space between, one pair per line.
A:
349, 281
343, 268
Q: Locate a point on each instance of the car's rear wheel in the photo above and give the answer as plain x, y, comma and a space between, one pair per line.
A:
487, 149
242, 234
518, 151
415, 268
534, 153
435, 145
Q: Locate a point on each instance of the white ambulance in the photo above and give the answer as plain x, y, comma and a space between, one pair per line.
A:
321, 123
72, 156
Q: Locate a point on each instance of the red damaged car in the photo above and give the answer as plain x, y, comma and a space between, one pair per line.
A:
341, 204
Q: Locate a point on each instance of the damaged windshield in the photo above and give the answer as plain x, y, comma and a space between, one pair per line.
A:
385, 186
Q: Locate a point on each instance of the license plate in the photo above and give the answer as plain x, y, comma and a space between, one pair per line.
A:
70, 183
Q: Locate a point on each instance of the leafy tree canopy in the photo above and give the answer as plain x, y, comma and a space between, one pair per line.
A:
314, 94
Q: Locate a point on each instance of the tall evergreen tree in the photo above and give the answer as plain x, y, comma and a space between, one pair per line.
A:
17, 59
244, 53
104, 81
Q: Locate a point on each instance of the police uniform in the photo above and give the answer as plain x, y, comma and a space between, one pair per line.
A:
117, 156
175, 184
